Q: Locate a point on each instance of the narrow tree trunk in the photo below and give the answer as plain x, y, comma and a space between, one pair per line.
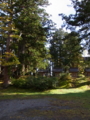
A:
23, 69
26, 70
6, 77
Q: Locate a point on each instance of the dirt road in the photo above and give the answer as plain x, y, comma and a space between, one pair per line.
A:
47, 108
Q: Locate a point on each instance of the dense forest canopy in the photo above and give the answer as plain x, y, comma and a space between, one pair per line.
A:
26, 28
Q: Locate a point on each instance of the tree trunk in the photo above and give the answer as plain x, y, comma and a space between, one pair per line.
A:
6, 77
23, 69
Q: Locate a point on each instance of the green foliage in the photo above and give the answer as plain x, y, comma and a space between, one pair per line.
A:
31, 49
65, 80
80, 81
25, 26
81, 76
73, 49
65, 49
9, 59
79, 20
20, 83
35, 83
57, 47
45, 83
65, 76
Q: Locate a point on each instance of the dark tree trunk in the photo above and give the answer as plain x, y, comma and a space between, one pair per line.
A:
6, 77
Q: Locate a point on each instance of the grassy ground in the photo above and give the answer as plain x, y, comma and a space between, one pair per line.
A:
73, 103
14, 93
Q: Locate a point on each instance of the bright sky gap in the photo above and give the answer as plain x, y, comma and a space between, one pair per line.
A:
57, 7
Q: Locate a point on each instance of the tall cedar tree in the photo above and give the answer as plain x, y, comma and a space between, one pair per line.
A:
25, 27
56, 48
73, 50
7, 31
65, 49
31, 48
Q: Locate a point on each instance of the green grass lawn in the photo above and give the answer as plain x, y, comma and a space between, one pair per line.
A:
83, 91
78, 99
14, 93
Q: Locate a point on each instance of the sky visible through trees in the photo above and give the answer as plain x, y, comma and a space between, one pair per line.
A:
57, 7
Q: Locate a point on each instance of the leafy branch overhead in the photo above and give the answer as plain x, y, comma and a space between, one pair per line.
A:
80, 19
9, 59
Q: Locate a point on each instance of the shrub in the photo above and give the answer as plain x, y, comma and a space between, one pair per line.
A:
81, 80
65, 76
65, 80
81, 76
20, 82
36, 83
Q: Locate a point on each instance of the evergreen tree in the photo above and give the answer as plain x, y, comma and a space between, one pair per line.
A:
57, 47
73, 50
65, 49
7, 31
25, 27
31, 48
80, 20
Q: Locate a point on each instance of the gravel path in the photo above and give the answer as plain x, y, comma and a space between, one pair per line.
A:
11, 108
38, 109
